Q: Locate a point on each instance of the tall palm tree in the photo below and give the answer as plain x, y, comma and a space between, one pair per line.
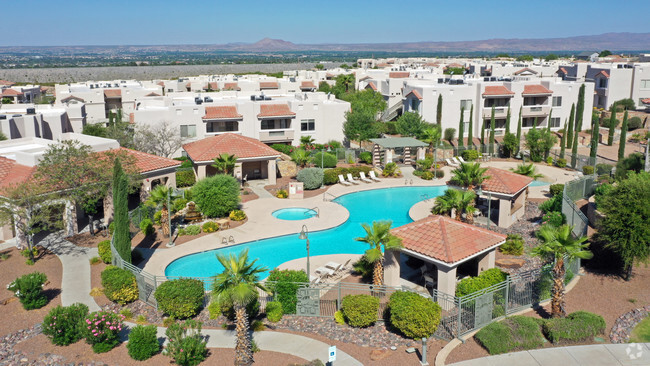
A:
225, 163
237, 285
158, 198
528, 170
380, 239
558, 243
432, 135
469, 175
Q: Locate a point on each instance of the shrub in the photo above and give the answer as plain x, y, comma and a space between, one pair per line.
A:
390, 170
29, 290
214, 309
552, 204
514, 245
216, 196
601, 191
360, 310
257, 326
485, 279
312, 178
424, 164
603, 169
111, 228
470, 155
588, 170
185, 178
549, 160
427, 175
95, 260
449, 134
210, 227
439, 173
237, 215
186, 346
252, 309
119, 285
553, 218
181, 298
282, 193
514, 333
157, 217
365, 157
179, 204
355, 170
102, 329
363, 267
413, 315
328, 161
556, 189
561, 163
64, 325
190, 230
283, 284
634, 123
143, 342
545, 281
104, 249
285, 149
331, 176
576, 327
339, 318
146, 226
274, 311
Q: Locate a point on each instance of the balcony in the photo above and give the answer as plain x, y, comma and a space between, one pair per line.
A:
276, 135
221, 133
535, 110
499, 112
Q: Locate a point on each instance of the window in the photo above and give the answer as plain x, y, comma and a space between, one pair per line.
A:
188, 130
228, 126
645, 84
466, 104
602, 83
557, 101
528, 122
555, 122
307, 125
268, 124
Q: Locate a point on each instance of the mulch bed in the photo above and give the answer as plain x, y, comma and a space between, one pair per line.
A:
248, 195
86, 240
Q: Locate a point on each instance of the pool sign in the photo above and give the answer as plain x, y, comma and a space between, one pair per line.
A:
332, 354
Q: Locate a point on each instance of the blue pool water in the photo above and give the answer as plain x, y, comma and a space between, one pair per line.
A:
294, 213
537, 183
367, 206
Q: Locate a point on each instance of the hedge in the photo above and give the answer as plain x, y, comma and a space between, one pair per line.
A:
28, 289
185, 178
514, 333
285, 149
274, 311
284, 284
63, 325
576, 327
413, 315
486, 279
328, 161
181, 298
119, 285
556, 189
104, 249
470, 155
365, 157
360, 310
312, 178
143, 342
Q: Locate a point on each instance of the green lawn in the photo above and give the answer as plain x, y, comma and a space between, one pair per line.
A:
641, 333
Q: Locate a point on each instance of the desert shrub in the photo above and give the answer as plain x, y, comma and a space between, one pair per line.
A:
485, 279
439, 173
339, 318
556, 189
157, 216
216, 196
274, 311
237, 215
181, 298
65, 325
588, 170
428, 175
328, 160
210, 227
413, 315
29, 290
331, 176
190, 230
576, 327
185, 178
553, 218
552, 204
102, 329
603, 169
282, 193
365, 157
187, 347
179, 204
111, 228
104, 249
424, 164
312, 178
143, 342
284, 285
634, 123
252, 309
360, 310
146, 226
514, 333
390, 170
470, 155
214, 309
119, 285
285, 149
561, 163
514, 245
549, 160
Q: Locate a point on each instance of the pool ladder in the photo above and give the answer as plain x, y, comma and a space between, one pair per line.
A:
313, 209
425, 197
328, 194
230, 240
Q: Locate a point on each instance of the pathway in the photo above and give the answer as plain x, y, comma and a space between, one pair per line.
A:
592, 355
257, 186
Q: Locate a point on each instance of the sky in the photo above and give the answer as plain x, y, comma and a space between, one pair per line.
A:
147, 22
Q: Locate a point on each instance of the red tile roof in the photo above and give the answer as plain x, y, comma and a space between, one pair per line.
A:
269, 85
503, 181
12, 173
275, 110
645, 101
563, 70
446, 239
228, 143
497, 90
152, 94
11, 93
212, 85
415, 94
7, 83
525, 69
400, 74
231, 86
604, 73
222, 112
307, 85
147, 162
535, 89
113, 93
161, 83
372, 86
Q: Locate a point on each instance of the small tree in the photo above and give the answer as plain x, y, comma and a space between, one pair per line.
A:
379, 238
593, 151
510, 144
158, 198
519, 131
563, 141
121, 234
569, 131
410, 124
539, 142
492, 126
580, 108
439, 110
612, 126
461, 129
468, 175
301, 157
161, 139
470, 132
216, 196
225, 163
574, 150
359, 126
621, 144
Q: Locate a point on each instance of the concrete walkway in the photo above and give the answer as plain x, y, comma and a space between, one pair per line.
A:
592, 355
257, 186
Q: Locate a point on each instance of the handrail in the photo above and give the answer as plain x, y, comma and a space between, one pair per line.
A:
313, 209
325, 194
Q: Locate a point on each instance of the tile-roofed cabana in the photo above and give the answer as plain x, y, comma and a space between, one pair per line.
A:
388, 146
510, 190
444, 243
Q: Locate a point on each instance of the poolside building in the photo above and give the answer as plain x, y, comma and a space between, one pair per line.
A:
510, 192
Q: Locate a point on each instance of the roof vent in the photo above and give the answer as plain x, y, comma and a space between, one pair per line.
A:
31, 110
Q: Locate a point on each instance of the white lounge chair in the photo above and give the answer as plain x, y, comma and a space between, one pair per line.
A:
351, 179
333, 266
373, 176
342, 180
455, 160
460, 158
451, 163
363, 177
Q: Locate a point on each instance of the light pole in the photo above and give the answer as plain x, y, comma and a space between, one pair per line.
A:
322, 163
479, 191
304, 235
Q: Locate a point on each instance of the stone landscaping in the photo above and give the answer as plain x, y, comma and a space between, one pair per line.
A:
625, 323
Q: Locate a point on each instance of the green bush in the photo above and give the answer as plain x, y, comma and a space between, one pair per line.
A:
360, 310
143, 342
390, 170
237, 215
146, 226
424, 164
413, 315
486, 279
101, 330
104, 249
428, 175
111, 228
157, 217
603, 169
274, 311
331, 176
119, 285
576, 327
554, 204
216, 196
285, 149
634, 123
252, 309
312, 178
514, 245
601, 191
556, 189
65, 325
439, 173
553, 218
561, 163
545, 282
549, 160
214, 309
181, 298
187, 347
588, 170
365, 157
328, 161
449, 134
185, 178
284, 285
513, 333
190, 230
179, 203
339, 318
210, 227
363, 267
29, 290
470, 155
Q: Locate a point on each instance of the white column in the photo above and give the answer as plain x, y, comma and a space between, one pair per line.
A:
487, 261
392, 268
420, 153
447, 280
271, 172
389, 156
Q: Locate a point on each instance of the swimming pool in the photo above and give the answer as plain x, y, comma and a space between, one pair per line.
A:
294, 213
366, 206
538, 183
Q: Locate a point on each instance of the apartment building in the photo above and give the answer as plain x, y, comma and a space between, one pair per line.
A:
41, 121
19, 94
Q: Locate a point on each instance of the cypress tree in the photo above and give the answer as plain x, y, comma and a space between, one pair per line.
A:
508, 122
519, 132
461, 130
121, 234
621, 144
612, 126
492, 124
569, 131
562, 141
548, 124
594, 138
470, 133
580, 108
439, 110
483, 132
574, 150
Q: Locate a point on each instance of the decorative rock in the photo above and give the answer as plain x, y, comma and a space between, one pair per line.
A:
410, 350
623, 326
511, 263
379, 354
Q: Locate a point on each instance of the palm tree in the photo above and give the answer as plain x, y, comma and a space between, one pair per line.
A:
455, 199
225, 163
528, 170
469, 175
301, 157
558, 244
432, 135
306, 140
466, 205
158, 198
237, 285
380, 239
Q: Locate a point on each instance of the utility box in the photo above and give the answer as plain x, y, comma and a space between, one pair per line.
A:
296, 190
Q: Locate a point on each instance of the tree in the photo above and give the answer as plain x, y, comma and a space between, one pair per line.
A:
121, 131
508, 121
470, 132
379, 238
432, 135
510, 145
528, 170
217, 195
439, 110
121, 234
563, 141
468, 175
625, 226
158, 198
626, 104
410, 124
483, 133
237, 286
359, 125
621, 144
301, 157
539, 142
604, 53
225, 163
366, 99
94, 129
461, 129
569, 132
161, 139
525, 58
551, 57
580, 108
519, 132
319, 67
574, 149
455, 199
595, 130
324, 87
612, 126
557, 245
492, 126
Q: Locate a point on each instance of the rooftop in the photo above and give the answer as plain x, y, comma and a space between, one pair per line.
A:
505, 182
228, 143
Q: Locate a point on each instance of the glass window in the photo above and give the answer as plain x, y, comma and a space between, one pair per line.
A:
466, 104
555, 122
268, 124
645, 84
557, 101
307, 125
188, 130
